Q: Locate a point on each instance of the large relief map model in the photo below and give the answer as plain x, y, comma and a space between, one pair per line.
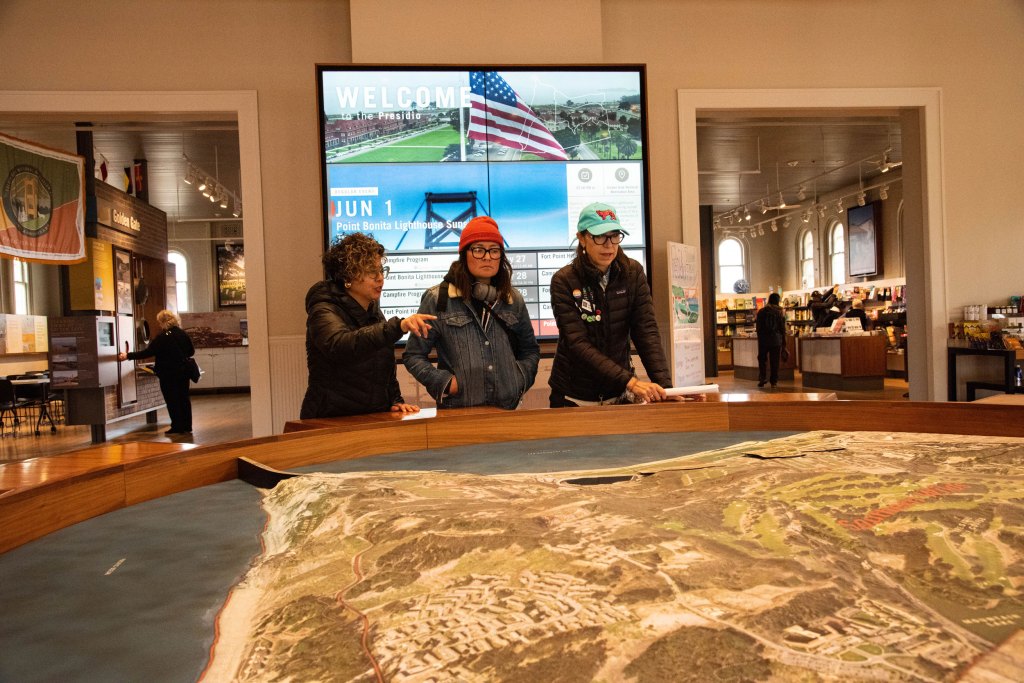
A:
826, 556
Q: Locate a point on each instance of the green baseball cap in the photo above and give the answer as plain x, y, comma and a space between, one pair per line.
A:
598, 218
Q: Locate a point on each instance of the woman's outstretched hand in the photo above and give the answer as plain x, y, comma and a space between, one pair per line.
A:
417, 324
405, 408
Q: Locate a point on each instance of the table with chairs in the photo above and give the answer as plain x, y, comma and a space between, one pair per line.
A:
27, 398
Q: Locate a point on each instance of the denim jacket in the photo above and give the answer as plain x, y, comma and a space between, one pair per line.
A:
487, 369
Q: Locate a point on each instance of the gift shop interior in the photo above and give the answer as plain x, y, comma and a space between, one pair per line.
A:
812, 209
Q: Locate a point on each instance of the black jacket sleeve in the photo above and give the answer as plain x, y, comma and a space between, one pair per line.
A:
644, 332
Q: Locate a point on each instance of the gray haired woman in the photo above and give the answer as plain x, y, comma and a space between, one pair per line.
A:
171, 347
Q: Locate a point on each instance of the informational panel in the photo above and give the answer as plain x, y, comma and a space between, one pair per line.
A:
127, 390
23, 334
686, 315
83, 352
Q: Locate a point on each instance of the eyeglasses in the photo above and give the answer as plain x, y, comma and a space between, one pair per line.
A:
479, 252
615, 237
383, 272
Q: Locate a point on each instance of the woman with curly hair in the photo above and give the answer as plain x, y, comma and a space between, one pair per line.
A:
486, 350
349, 345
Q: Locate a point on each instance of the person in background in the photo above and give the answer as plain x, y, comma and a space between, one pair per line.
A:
831, 315
171, 347
350, 347
487, 353
601, 301
770, 325
857, 311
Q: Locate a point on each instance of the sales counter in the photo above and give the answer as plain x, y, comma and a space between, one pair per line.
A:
744, 358
844, 362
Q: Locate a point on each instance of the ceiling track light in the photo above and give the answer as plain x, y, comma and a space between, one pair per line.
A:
862, 198
760, 229
775, 201
787, 222
883, 193
806, 216
775, 225
209, 185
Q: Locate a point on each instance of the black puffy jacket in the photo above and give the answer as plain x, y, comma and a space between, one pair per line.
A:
592, 357
350, 355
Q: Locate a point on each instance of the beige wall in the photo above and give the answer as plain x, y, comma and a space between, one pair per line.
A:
974, 52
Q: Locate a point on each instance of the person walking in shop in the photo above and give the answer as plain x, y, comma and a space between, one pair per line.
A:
857, 311
770, 325
601, 301
171, 348
350, 347
487, 353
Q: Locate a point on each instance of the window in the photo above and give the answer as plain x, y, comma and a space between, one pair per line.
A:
807, 260
180, 278
837, 253
731, 266
21, 287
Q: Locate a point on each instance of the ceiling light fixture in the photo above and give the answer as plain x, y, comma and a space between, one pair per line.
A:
801, 194
787, 221
760, 229
883, 192
775, 225
746, 213
806, 216
839, 205
821, 210
209, 184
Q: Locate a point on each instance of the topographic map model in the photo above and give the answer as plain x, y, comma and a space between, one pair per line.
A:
854, 556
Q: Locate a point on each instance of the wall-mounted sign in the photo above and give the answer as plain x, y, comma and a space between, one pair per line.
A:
119, 217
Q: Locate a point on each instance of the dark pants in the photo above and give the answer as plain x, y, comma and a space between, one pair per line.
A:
179, 407
768, 355
556, 400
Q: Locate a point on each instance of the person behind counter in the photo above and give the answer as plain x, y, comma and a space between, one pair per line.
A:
171, 347
770, 325
349, 345
487, 353
857, 311
601, 301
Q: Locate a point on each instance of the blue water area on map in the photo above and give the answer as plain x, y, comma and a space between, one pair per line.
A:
549, 455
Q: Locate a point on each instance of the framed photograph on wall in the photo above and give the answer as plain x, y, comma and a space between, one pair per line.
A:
230, 275
123, 281
865, 232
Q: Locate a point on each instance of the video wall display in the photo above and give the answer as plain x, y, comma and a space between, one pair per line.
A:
410, 155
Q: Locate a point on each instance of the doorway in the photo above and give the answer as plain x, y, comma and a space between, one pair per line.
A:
238, 105
918, 113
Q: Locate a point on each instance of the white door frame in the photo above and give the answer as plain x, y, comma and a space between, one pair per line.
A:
921, 113
240, 103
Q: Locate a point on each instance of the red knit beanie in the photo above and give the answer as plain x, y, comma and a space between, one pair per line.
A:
480, 229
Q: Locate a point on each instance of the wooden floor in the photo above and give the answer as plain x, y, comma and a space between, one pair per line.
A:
216, 418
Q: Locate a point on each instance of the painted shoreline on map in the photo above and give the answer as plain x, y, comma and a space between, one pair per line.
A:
746, 555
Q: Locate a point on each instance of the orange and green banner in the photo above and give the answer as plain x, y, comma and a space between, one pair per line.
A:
42, 192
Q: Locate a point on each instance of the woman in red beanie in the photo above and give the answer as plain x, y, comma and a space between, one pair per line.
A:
486, 350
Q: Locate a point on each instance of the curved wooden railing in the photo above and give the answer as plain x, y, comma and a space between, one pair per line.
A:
29, 512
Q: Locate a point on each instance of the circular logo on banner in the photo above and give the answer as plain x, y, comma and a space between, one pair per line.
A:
28, 200
621, 174
585, 175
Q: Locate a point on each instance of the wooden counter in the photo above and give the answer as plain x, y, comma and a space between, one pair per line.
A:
744, 358
848, 363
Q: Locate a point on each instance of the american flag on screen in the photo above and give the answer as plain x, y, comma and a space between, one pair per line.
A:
498, 115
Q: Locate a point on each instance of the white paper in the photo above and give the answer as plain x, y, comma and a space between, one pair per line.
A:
424, 412
694, 389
